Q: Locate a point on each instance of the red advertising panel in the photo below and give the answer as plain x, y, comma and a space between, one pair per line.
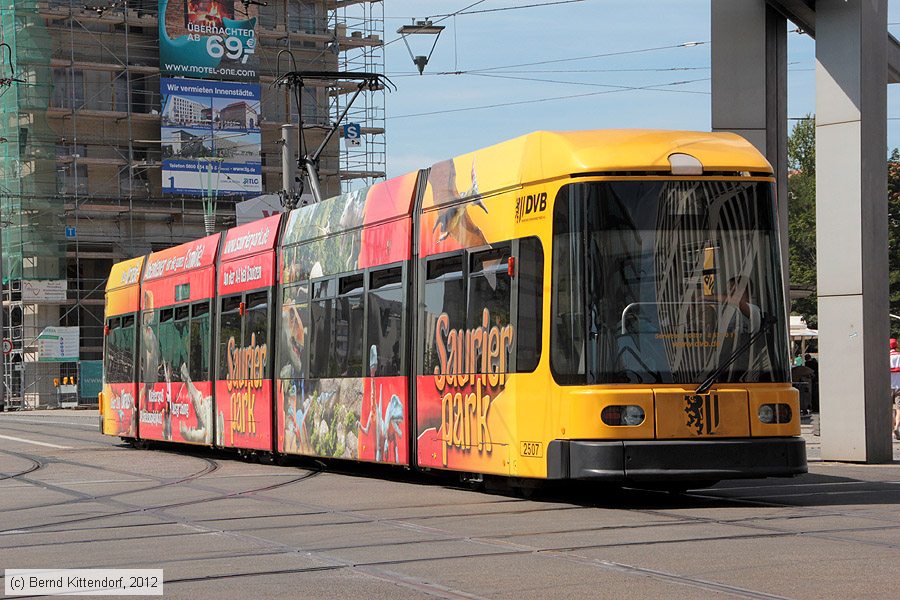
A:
177, 412
169, 268
244, 383
245, 274
385, 239
251, 238
384, 427
179, 259
385, 243
175, 393
244, 411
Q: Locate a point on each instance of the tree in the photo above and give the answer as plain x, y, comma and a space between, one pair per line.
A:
802, 215
894, 237
802, 221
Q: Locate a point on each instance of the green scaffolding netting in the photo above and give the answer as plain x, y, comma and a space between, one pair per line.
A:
31, 211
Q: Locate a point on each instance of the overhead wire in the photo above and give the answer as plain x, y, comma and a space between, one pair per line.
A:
486, 71
508, 68
655, 87
504, 8
584, 83
499, 9
602, 55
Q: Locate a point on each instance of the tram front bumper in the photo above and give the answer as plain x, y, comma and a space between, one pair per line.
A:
676, 460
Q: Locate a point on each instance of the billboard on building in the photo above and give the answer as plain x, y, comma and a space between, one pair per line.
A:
58, 344
43, 291
210, 137
210, 39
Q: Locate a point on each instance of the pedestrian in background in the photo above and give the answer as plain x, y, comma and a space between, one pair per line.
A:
812, 362
802, 376
895, 387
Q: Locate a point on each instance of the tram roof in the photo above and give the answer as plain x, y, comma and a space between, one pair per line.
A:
549, 154
184, 257
125, 273
369, 206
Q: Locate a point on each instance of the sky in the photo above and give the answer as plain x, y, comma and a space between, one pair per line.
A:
474, 94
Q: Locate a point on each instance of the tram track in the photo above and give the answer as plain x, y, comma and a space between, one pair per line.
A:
501, 545
359, 517
570, 553
153, 509
380, 569
212, 466
209, 467
35, 465
494, 545
664, 517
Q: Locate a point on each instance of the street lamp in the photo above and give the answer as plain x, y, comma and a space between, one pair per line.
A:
421, 28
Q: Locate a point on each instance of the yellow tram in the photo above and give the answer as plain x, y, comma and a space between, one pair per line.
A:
590, 305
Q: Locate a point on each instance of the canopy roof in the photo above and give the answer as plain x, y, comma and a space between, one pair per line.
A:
799, 328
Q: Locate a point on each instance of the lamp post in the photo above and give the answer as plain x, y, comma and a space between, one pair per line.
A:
421, 28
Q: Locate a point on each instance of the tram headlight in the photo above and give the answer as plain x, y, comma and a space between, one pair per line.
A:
632, 415
784, 412
775, 413
629, 416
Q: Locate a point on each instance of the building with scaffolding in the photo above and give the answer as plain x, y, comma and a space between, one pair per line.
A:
82, 153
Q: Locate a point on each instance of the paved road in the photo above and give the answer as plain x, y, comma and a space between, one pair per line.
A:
221, 528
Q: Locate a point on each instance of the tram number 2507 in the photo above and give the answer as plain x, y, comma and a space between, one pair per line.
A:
532, 449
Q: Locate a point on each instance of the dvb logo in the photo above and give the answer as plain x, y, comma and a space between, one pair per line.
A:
530, 204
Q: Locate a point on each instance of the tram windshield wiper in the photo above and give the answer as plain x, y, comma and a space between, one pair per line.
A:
768, 322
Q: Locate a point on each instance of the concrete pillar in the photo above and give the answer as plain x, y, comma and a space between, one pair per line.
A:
851, 215
749, 85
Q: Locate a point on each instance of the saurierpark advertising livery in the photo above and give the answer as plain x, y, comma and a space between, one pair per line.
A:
592, 305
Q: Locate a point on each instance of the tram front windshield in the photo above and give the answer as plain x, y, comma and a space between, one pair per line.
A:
666, 282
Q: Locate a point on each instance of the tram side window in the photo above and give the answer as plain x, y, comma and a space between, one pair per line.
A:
322, 330
256, 324
567, 335
445, 306
151, 349
348, 327
119, 358
111, 355
530, 308
229, 329
384, 327
489, 308
181, 351
199, 344
293, 338
169, 346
